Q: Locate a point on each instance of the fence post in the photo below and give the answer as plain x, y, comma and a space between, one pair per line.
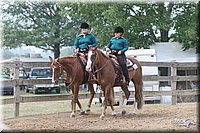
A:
16, 89
173, 83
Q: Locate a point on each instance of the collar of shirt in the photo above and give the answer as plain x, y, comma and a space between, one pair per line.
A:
117, 37
84, 34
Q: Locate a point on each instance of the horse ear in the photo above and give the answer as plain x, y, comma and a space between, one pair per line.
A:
51, 59
94, 48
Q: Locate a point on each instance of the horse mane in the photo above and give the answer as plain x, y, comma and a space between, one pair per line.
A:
104, 55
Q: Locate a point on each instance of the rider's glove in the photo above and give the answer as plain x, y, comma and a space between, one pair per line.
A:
107, 49
76, 50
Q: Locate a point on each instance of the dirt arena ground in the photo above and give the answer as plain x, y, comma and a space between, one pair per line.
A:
157, 117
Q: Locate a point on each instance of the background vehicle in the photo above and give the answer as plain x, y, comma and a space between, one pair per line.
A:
41, 73
6, 89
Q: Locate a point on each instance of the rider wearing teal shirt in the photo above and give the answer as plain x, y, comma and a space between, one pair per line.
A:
119, 45
84, 40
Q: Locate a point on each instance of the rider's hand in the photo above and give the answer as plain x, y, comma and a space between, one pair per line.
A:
75, 50
107, 49
119, 52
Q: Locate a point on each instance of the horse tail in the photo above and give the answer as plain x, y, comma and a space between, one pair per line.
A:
139, 94
138, 83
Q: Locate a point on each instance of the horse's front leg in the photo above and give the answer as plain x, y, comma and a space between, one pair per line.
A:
111, 101
104, 108
75, 100
91, 89
104, 104
127, 94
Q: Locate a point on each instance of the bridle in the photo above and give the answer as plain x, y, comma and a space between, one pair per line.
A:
61, 71
94, 57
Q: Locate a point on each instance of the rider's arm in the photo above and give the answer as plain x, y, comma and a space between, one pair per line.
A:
109, 44
125, 46
93, 40
76, 45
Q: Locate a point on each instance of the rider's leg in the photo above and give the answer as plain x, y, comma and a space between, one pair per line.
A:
122, 61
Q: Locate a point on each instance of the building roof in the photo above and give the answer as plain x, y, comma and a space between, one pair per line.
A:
171, 51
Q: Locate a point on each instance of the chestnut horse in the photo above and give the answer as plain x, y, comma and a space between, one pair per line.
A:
106, 76
75, 76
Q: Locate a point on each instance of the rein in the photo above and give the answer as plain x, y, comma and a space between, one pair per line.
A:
101, 67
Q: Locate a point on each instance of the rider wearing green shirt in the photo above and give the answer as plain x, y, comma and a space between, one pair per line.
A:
84, 40
119, 45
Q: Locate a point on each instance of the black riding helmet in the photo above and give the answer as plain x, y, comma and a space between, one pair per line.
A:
119, 30
84, 25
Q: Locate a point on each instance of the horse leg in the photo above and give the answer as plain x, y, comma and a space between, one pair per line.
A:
111, 101
72, 104
91, 89
82, 112
138, 96
127, 94
104, 105
75, 100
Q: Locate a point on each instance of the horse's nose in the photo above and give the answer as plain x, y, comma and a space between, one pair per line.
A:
87, 69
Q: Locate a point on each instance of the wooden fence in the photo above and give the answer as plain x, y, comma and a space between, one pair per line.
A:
16, 64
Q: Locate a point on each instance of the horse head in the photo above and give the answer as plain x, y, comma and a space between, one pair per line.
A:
91, 58
56, 68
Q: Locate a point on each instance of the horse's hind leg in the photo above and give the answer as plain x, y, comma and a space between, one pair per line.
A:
138, 96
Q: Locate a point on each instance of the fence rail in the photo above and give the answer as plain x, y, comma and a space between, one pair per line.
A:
16, 64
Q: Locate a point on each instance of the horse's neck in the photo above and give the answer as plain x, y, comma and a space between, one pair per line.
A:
102, 59
68, 64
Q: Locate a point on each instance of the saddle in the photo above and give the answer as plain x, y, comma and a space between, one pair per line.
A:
118, 70
88, 76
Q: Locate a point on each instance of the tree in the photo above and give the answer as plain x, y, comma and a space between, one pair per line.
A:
52, 25
144, 24
39, 24
186, 26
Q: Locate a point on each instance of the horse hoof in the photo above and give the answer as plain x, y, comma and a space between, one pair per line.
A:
134, 114
101, 117
123, 112
113, 115
87, 110
72, 115
82, 112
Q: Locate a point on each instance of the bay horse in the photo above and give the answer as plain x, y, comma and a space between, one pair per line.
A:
106, 76
75, 76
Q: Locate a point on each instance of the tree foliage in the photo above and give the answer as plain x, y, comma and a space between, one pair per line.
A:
186, 25
50, 25
40, 24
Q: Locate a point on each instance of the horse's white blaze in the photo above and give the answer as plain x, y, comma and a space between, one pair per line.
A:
89, 62
53, 79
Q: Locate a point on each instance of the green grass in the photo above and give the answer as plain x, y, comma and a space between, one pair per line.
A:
47, 107
38, 108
